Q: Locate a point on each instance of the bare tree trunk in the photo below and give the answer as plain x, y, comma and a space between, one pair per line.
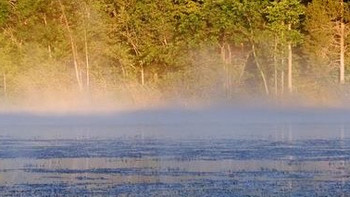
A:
282, 82
142, 76
260, 70
342, 47
243, 68
74, 51
49, 46
5, 85
224, 60
81, 76
290, 64
228, 70
222, 52
86, 48
275, 67
138, 53
87, 62
342, 52
50, 51
229, 56
256, 59
290, 68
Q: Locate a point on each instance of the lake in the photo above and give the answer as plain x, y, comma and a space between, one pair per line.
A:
173, 152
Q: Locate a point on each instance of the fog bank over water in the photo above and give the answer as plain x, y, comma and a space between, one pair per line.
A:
181, 115
182, 122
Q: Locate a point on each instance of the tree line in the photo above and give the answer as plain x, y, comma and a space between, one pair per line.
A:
175, 48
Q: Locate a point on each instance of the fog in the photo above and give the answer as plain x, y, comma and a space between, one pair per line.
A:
209, 122
166, 116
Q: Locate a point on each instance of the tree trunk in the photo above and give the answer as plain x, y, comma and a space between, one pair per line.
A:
50, 51
342, 48
243, 68
48, 46
86, 23
73, 47
87, 62
228, 70
5, 85
290, 64
342, 52
142, 76
224, 59
275, 67
282, 82
260, 70
222, 52
229, 55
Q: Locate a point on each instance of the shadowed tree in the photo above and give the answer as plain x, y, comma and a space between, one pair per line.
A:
284, 21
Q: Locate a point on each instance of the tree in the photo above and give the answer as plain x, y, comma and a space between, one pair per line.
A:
222, 30
328, 30
284, 21
8, 66
253, 24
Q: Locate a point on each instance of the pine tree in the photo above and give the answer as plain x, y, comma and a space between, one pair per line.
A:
328, 30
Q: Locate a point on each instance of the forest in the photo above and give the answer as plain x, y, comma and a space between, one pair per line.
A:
154, 51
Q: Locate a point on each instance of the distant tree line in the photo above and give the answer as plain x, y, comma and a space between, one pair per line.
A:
175, 48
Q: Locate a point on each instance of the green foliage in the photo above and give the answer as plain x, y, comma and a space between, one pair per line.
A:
322, 26
189, 46
4, 11
281, 14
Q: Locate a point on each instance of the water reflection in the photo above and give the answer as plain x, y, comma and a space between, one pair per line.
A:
191, 160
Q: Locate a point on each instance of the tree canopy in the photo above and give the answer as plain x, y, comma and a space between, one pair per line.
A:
143, 50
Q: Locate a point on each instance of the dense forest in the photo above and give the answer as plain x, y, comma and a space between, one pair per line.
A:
141, 51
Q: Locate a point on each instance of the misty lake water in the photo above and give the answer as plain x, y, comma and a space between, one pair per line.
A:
226, 152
